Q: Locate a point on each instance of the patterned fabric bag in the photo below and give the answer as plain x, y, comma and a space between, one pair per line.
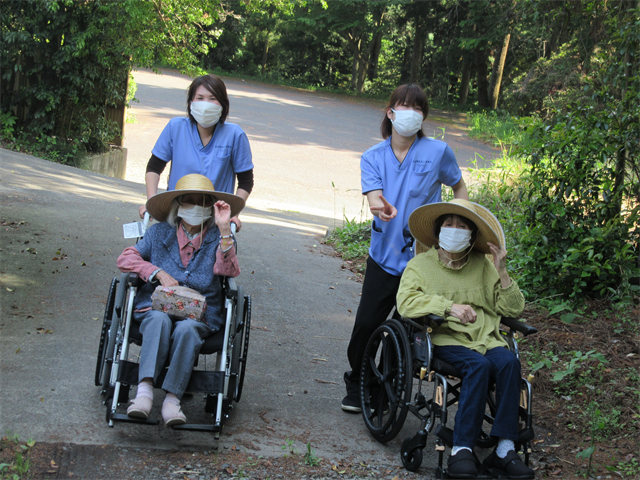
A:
179, 303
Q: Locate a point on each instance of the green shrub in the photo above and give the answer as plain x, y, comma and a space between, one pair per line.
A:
7, 123
579, 225
352, 240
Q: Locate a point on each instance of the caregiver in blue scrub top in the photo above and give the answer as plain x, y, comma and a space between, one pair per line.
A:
405, 171
203, 142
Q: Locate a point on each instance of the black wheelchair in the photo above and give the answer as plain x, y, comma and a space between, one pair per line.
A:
221, 385
399, 354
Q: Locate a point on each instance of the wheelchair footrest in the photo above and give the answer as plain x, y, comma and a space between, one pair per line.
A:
198, 427
121, 417
525, 435
443, 473
445, 434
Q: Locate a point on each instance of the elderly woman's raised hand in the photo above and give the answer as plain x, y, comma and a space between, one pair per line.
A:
464, 313
499, 256
500, 262
222, 212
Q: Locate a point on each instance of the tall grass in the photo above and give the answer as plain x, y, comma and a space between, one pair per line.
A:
498, 129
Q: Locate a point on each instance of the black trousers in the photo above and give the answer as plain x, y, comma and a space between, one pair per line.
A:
379, 291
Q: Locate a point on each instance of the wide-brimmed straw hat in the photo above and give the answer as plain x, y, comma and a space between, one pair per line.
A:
423, 219
159, 205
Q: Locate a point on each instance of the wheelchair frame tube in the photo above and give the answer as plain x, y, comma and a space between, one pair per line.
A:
223, 358
124, 352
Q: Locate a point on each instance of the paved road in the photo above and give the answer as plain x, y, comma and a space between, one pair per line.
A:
306, 146
60, 236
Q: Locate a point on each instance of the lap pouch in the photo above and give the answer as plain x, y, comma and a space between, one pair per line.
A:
179, 303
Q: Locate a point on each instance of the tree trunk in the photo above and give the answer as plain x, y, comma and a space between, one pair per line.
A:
363, 67
265, 53
481, 71
354, 65
496, 77
464, 81
375, 55
623, 158
418, 45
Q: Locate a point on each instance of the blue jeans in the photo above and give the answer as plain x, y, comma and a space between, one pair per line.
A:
161, 340
499, 366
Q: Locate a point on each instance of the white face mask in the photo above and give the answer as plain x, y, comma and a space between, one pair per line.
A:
454, 240
194, 214
407, 122
206, 114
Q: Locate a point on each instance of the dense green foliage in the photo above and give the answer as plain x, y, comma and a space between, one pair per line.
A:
581, 192
556, 82
66, 62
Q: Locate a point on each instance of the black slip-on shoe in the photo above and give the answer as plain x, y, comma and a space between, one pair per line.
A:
510, 466
462, 465
351, 404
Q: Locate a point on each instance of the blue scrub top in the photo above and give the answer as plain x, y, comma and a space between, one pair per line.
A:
226, 154
408, 185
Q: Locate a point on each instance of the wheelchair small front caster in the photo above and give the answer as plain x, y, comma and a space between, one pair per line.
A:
411, 451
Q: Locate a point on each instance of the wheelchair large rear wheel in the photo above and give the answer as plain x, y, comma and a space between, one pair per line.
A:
104, 333
386, 381
235, 344
244, 343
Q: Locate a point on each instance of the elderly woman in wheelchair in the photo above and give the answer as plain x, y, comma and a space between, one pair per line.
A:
192, 246
456, 281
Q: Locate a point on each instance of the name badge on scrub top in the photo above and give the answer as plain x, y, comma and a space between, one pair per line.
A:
422, 165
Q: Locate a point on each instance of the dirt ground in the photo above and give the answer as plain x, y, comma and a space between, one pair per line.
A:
562, 424
562, 432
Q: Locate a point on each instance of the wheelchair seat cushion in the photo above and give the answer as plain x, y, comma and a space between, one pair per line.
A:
212, 344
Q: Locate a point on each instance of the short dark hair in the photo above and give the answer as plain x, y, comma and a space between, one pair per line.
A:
410, 94
437, 225
216, 86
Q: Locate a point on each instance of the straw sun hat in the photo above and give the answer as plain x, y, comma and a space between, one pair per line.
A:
159, 205
423, 219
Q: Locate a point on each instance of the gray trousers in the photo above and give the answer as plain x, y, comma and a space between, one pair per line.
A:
181, 347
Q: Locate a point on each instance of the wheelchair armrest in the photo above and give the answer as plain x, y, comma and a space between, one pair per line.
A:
230, 285
428, 319
120, 294
521, 327
126, 280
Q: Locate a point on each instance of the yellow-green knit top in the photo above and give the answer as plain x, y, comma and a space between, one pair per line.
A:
430, 286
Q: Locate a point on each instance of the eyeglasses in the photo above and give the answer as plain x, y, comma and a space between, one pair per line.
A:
196, 199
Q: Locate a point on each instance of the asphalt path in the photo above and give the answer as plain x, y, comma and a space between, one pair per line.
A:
61, 233
306, 146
